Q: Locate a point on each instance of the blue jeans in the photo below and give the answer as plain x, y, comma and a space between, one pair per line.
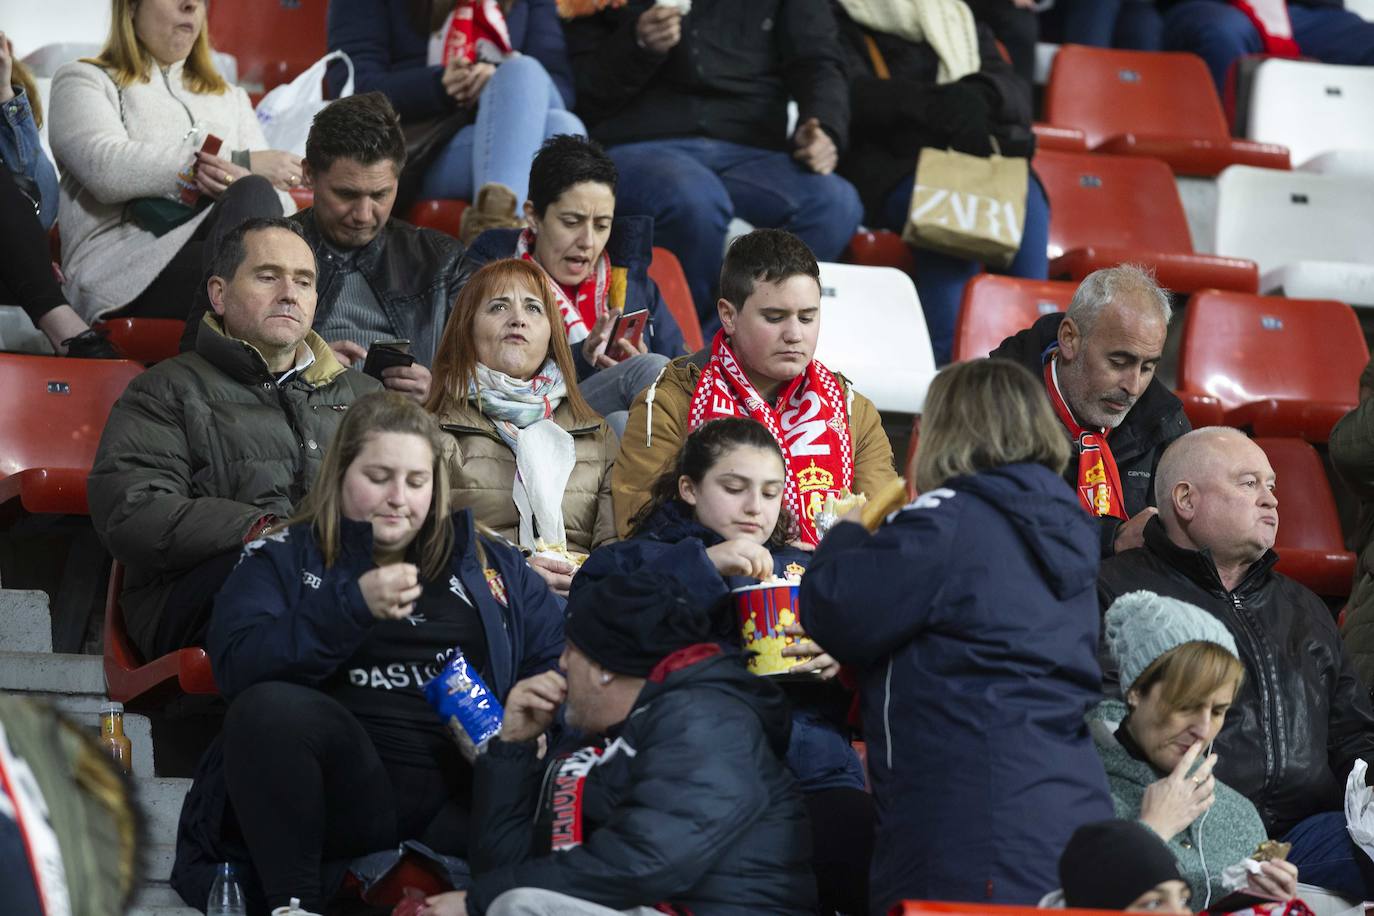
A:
820, 756
1133, 24
940, 278
694, 186
519, 109
1219, 33
1327, 857
610, 391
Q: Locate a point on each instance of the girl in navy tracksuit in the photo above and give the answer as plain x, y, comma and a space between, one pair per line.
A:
715, 522
322, 640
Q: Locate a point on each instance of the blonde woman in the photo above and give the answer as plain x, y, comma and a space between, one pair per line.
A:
322, 640
971, 618
127, 129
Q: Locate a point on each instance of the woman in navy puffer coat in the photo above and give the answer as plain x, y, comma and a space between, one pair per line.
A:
972, 619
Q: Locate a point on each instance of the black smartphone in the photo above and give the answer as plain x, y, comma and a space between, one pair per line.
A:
387, 353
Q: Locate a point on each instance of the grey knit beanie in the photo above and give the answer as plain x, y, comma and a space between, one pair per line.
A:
1142, 626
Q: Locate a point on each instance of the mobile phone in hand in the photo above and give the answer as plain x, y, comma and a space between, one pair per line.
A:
387, 353
629, 326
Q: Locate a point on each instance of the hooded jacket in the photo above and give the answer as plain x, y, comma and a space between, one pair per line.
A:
1302, 715
1221, 836
200, 447
284, 616
971, 619
1352, 454
686, 802
630, 248
657, 427
1153, 422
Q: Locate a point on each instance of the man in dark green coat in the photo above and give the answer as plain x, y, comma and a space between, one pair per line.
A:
204, 450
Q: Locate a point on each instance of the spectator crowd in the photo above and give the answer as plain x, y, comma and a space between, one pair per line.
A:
1049, 662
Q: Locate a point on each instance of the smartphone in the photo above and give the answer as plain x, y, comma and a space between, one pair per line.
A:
629, 326
387, 353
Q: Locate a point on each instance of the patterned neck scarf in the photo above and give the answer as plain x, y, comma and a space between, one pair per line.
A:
810, 423
1099, 482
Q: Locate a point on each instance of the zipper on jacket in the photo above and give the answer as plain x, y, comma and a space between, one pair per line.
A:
887, 711
167, 81
1268, 684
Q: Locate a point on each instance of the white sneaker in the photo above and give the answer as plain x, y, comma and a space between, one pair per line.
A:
293, 909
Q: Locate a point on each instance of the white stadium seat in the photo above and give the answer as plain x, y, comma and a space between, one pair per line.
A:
1324, 114
874, 332
1309, 233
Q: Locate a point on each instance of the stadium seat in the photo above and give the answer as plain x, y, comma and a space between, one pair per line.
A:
1105, 210
1148, 103
1309, 543
148, 340
875, 333
304, 197
1310, 234
666, 271
1065, 139
52, 412
273, 41
1279, 367
437, 213
994, 308
128, 678
880, 248
1324, 114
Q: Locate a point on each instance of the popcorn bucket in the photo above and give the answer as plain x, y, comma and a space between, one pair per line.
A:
762, 612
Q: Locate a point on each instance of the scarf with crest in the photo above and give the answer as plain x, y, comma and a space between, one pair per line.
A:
1099, 482
475, 30
810, 423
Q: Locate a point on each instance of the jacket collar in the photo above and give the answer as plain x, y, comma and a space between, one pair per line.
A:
464, 416
1198, 565
244, 363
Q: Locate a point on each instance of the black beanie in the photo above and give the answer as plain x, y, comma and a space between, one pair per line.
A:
627, 624
1108, 865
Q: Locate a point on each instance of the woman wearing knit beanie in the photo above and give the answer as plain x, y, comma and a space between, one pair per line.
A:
1179, 672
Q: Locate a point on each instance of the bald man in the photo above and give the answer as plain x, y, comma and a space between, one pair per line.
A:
1098, 361
1301, 716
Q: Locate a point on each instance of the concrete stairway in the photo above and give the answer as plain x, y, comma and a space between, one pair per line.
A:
75, 684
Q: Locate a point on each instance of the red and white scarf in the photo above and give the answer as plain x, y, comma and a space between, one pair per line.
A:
1099, 482
1270, 19
475, 30
592, 294
810, 423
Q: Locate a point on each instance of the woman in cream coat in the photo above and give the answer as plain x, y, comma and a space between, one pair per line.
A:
123, 126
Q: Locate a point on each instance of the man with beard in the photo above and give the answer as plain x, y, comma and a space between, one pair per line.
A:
1098, 361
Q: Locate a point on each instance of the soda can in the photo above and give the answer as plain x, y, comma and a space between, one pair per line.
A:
468, 708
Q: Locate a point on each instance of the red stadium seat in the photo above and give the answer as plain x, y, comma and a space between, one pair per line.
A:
443, 215
1278, 367
1148, 103
666, 271
1064, 139
128, 678
52, 412
1105, 210
995, 307
274, 41
880, 248
1309, 543
304, 197
148, 340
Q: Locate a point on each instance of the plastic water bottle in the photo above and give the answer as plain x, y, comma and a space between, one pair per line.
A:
226, 897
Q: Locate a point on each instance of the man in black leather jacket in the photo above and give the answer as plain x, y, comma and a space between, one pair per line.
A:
380, 278
682, 804
1302, 716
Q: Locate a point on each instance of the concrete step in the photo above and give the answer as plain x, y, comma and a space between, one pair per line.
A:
160, 900
50, 673
157, 861
28, 625
161, 798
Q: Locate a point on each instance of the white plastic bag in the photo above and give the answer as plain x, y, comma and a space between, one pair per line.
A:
1359, 808
287, 111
